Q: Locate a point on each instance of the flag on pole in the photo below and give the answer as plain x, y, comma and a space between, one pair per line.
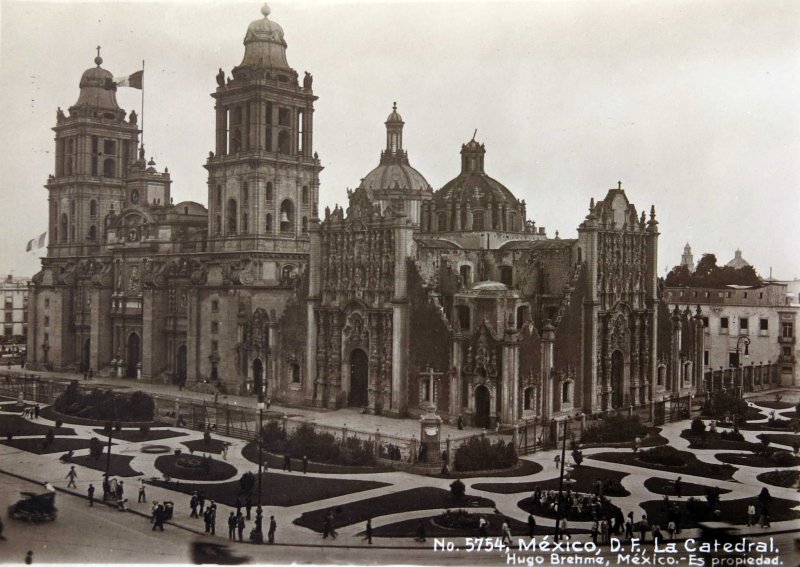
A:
35, 244
134, 81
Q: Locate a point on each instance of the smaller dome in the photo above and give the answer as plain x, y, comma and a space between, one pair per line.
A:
265, 46
394, 117
489, 285
395, 176
97, 88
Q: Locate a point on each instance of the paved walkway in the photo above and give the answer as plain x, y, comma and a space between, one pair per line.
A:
43, 468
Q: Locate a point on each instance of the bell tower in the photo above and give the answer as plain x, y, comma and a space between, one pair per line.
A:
94, 145
263, 177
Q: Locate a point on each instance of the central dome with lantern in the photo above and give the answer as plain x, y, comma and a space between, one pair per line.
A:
395, 182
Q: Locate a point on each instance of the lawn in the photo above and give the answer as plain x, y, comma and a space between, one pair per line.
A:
772, 404
168, 465
408, 528
120, 464
786, 439
250, 452
423, 498
51, 414
785, 479
752, 460
277, 489
692, 465
134, 435
200, 446
732, 511
666, 486
59, 445
711, 440
19, 426
605, 508
584, 477
522, 468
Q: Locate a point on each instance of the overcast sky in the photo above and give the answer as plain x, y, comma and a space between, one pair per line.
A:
692, 105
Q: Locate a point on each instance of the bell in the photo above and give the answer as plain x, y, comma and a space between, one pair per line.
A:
284, 216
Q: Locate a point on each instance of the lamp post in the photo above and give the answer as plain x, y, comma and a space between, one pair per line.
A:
259, 514
746, 342
560, 504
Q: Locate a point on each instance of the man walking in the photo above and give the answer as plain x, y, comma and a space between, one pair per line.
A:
193, 506
90, 492
212, 508
751, 514
531, 525
678, 487
120, 490
142, 497
232, 527
368, 535
240, 526
158, 516
248, 505
287, 462
201, 501
305, 464
36, 411
506, 531
72, 475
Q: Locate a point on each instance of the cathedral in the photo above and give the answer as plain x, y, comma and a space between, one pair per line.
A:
408, 298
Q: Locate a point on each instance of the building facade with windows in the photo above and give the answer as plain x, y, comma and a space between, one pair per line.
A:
407, 297
15, 307
745, 325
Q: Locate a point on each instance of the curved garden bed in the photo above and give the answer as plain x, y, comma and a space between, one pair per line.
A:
17, 425
53, 415
170, 465
758, 460
120, 464
787, 439
433, 528
605, 509
585, 478
423, 498
135, 435
522, 468
652, 439
711, 440
250, 452
691, 465
772, 404
667, 487
276, 489
59, 445
784, 479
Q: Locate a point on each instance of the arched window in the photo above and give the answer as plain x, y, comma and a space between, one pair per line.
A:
72, 208
522, 315
93, 233
287, 216
268, 226
108, 168
441, 222
566, 392
231, 215
295, 373
269, 191
244, 223
466, 275
283, 142
478, 220
305, 225
528, 403
93, 208
218, 225
660, 375
64, 227
463, 315
506, 275
512, 222
219, 196
305, 195
236, 129
245, 193
72, 233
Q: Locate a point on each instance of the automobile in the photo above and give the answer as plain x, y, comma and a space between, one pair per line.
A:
209, 552
721, 532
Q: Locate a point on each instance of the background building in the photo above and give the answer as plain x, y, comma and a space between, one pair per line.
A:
15, 307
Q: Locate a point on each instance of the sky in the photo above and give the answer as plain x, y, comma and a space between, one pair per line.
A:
692, 105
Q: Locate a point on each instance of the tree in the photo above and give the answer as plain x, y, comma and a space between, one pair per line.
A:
679, 276
457, 489
247, 482
706, 265
577, 456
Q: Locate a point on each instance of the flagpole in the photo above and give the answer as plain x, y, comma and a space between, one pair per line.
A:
142, 102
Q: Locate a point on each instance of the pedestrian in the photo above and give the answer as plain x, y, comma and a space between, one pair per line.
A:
605, 536
106, 487
91, 373
557, 460
656, 534
643, 528
248, 505
29, 557
207, 520
460, 422
238, 506
232, 523
368, 532
225, 451
483, 526
36, 410
90, 492
159, 517
751, 514
328, 528
240, 526
531, 525
671, 530
153, 509
72, 475
506, 531
120, 490
193, 505
678, 487
142, 497
2, 537
201, 501
563, 528
273, 525
213, 518
287, 462
594, 531
628, 530
305, 464
421, 531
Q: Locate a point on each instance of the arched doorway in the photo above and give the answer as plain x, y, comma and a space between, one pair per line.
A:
483, 406
180, 365
132, 359
85, 355
258, 376
617, 371
359, 379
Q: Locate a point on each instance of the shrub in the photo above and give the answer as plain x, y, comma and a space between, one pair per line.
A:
613, 487
118, 427
95, 448
207, 437
9, 436
49, 437
247, 482
273, 437
460, 519
699, 510
478, 453
59, 423
614, 429
458, 489
577, 456
178, 452
782, 458
698, 426
731, 436
663, 455
144, 430
105, 404
778, 423
723, 404
712, 495
107, 428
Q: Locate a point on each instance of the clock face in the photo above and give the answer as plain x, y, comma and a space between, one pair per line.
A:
134, 196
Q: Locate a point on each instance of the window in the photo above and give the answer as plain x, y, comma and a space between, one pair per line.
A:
245, 193
219, 196
466, 275
93, 208
441, 222
218, 225
214, 327
47, 303
705, 357
705, 322
305, 195
707, 293
287, 216
269, 191
46, 321
93, 233
743, 323
745, 295
295, 373
244, 223
661, 375
9, 316
214, 346
787, 351
231, 215
268, 226
723, 324
462, 314
506, 275
763, 324
95, 153
215, 306
566, 392
478, 220
787, 330
284, 117
305, 225
283, 142
109, 168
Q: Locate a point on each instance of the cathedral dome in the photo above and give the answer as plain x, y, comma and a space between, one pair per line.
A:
97, 88
264, 44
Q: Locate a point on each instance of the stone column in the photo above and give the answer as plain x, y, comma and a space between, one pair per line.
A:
548, 338
675, 374
455, 380
101, 335
222, 130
